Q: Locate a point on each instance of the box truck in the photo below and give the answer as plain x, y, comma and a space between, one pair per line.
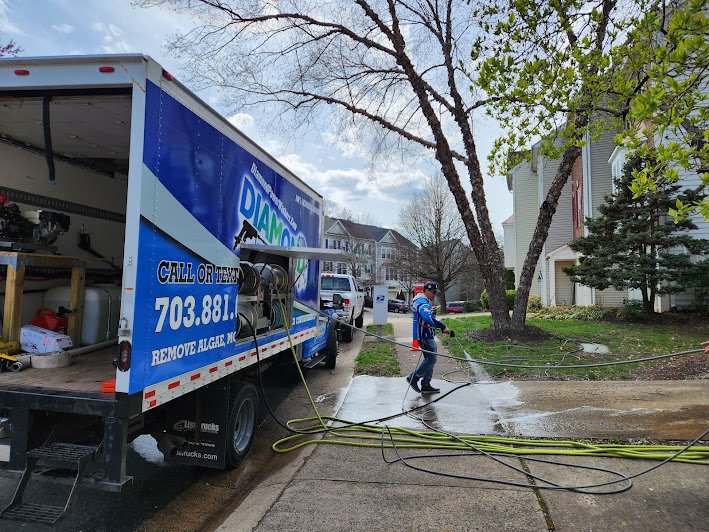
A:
182, 252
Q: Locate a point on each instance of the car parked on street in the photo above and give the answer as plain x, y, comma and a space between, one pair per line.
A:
397, 305
455, 307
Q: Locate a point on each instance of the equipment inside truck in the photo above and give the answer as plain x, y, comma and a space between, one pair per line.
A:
65, 154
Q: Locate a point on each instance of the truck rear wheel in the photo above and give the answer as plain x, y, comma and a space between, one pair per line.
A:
347, 333
331, 349
359, 321
242, 423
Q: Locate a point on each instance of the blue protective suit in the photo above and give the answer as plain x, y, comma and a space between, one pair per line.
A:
424, 321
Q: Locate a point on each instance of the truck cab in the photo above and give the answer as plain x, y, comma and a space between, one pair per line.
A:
352, 300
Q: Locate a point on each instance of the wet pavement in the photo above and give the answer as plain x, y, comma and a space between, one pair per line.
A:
178, 498
333, 487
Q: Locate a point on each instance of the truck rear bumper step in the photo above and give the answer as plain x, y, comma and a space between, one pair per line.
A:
37, 513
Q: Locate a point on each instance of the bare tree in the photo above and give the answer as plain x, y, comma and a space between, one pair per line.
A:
389, 69
392, 71
9, 49
430, 220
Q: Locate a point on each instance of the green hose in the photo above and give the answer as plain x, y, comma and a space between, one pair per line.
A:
306, 431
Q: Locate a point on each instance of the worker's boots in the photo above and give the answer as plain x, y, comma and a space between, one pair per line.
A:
427, 388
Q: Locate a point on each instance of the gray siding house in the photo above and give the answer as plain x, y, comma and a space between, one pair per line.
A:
591, 180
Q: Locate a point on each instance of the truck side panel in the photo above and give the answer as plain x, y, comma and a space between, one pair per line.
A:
198, 188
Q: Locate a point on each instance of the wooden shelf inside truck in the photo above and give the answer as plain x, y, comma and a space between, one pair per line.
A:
16, 263
85, 374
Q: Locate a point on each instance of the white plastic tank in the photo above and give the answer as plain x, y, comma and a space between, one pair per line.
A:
102, 305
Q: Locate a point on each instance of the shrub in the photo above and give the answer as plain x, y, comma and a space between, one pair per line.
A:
631, 311
509, 296
534, 303
472, 305
571, 313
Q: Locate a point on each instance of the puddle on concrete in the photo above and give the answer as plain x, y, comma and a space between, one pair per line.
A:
467, 411
495, 408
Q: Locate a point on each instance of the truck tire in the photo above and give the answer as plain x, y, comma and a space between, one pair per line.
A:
331, 349
242, 423
359, 321
346, 333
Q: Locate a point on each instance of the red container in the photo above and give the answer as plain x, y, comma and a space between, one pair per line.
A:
46, 318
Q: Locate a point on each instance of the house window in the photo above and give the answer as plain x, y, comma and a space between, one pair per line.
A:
326, 244
327, 266
341, 267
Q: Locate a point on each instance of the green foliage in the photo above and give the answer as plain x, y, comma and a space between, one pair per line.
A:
509, 279
510, 297
547, 67
559, 313
631, 243
387, 329
472, 306
625, 340
668, 118
534, 303
378, 359
631, 311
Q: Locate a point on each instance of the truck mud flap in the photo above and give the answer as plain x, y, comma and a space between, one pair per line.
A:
185, 443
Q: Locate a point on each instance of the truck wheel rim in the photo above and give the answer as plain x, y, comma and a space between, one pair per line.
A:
244, 428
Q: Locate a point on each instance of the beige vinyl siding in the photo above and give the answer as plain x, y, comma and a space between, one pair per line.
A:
685, 300
525, 187
510, 246
561, 228
601, 181
610, 297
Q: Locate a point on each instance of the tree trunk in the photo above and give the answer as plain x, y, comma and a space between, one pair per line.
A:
541, 231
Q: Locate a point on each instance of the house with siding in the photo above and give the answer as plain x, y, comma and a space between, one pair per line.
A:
374, 254
591, 180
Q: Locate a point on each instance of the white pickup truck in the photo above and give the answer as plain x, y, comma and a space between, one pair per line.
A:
352, 299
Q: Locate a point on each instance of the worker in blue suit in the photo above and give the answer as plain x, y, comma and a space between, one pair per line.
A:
424, 330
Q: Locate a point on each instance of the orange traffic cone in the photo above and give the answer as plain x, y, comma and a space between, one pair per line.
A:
414, 345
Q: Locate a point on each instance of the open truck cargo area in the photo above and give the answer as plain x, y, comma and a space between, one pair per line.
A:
179, 250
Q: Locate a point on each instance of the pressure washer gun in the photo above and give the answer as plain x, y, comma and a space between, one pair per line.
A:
247, 232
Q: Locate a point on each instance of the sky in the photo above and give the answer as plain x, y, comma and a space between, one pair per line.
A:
335, 166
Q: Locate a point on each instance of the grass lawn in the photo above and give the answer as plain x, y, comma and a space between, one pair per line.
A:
377, 359
625, 341
387, 328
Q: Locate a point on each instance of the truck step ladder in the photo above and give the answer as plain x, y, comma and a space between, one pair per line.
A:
314, 361
62, 455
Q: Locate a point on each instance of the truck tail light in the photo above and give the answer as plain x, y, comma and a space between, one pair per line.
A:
124, 352
22, 72
106, 69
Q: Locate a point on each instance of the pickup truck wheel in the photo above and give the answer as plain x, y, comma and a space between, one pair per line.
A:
331, 349
346, 333
242, 424
359, 321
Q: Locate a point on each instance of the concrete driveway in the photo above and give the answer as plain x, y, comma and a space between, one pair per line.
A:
334, 487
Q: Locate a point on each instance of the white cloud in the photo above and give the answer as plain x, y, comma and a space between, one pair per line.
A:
6, 26
111, 32
241, 120
62, 28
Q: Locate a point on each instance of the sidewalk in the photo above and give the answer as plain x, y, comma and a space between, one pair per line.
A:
335, 487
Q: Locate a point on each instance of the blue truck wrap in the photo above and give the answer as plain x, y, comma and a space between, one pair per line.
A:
203, 195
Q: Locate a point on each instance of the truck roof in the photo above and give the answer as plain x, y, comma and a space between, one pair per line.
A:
137, 58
